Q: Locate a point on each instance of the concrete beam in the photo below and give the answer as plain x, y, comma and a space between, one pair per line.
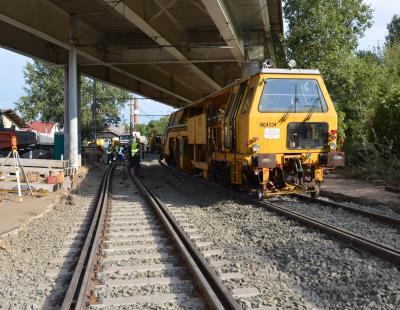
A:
159, 35
160, 55
264, 11
223, 21
122, 79
163, 9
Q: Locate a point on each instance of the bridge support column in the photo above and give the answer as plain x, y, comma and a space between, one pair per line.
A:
73, 96
66, 113
79, 118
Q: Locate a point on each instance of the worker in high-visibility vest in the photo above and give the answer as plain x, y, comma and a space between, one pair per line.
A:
132, 158
135, 147
135, 152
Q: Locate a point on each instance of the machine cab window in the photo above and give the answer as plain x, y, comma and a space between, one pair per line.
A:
307, 136
292, 95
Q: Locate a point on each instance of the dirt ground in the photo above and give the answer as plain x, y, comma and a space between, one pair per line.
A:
360, 191
14, 214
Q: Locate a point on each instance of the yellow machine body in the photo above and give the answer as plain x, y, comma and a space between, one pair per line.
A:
274, 132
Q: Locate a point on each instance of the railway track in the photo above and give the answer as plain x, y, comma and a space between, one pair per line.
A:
376, 248
138, 255
361, 242
372, 215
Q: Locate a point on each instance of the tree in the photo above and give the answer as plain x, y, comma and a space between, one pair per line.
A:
394, 30
391, 68
322, 32
154, 125
386, 123
44, 93
44, 99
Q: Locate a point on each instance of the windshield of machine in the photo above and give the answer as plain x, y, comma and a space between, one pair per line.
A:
292, 95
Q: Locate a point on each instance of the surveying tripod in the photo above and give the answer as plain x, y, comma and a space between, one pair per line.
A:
18, 166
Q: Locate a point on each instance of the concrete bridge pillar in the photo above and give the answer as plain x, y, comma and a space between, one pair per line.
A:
73, 96
79, 118
66, 112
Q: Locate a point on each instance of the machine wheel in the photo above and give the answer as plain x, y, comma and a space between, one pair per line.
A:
260, 194
315, 194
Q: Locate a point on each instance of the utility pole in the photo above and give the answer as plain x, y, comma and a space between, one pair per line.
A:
130, 119
94, 112
136, 114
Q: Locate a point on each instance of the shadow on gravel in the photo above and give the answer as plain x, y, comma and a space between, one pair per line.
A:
70, 257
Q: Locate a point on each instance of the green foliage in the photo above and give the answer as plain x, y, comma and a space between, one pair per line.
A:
387, 119
44, 94
44, 99
158, 125
357, 95
374, 160
376, 156
394, 30
391, 66
323, 32
386, 122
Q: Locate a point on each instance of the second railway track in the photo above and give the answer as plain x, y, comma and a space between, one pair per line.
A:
379, 217
376, 243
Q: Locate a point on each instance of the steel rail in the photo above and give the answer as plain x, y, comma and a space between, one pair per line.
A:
80, 278
213, 288
375, 216
378, 249
375, 248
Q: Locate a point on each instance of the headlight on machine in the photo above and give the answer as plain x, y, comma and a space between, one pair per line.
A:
255, 147
333, 146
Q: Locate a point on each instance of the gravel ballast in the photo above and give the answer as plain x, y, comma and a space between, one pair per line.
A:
379, 232
38, 261
292, 266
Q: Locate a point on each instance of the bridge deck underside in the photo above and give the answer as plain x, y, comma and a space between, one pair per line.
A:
174, 51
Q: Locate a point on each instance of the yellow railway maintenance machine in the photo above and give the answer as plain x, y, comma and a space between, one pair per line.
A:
272, 133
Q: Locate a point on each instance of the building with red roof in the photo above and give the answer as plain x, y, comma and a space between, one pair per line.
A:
44, 131
44, 128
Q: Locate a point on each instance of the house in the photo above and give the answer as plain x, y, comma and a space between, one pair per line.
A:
111, 132
13, 125
11, 120
44, 132
44, 128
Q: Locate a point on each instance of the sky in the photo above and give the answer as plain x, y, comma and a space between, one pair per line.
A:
383, 14
12, 79
12, 83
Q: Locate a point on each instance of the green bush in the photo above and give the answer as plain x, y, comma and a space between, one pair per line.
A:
373, 161
387, 119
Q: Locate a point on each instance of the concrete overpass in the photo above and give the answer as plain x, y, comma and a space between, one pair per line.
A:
173, 51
